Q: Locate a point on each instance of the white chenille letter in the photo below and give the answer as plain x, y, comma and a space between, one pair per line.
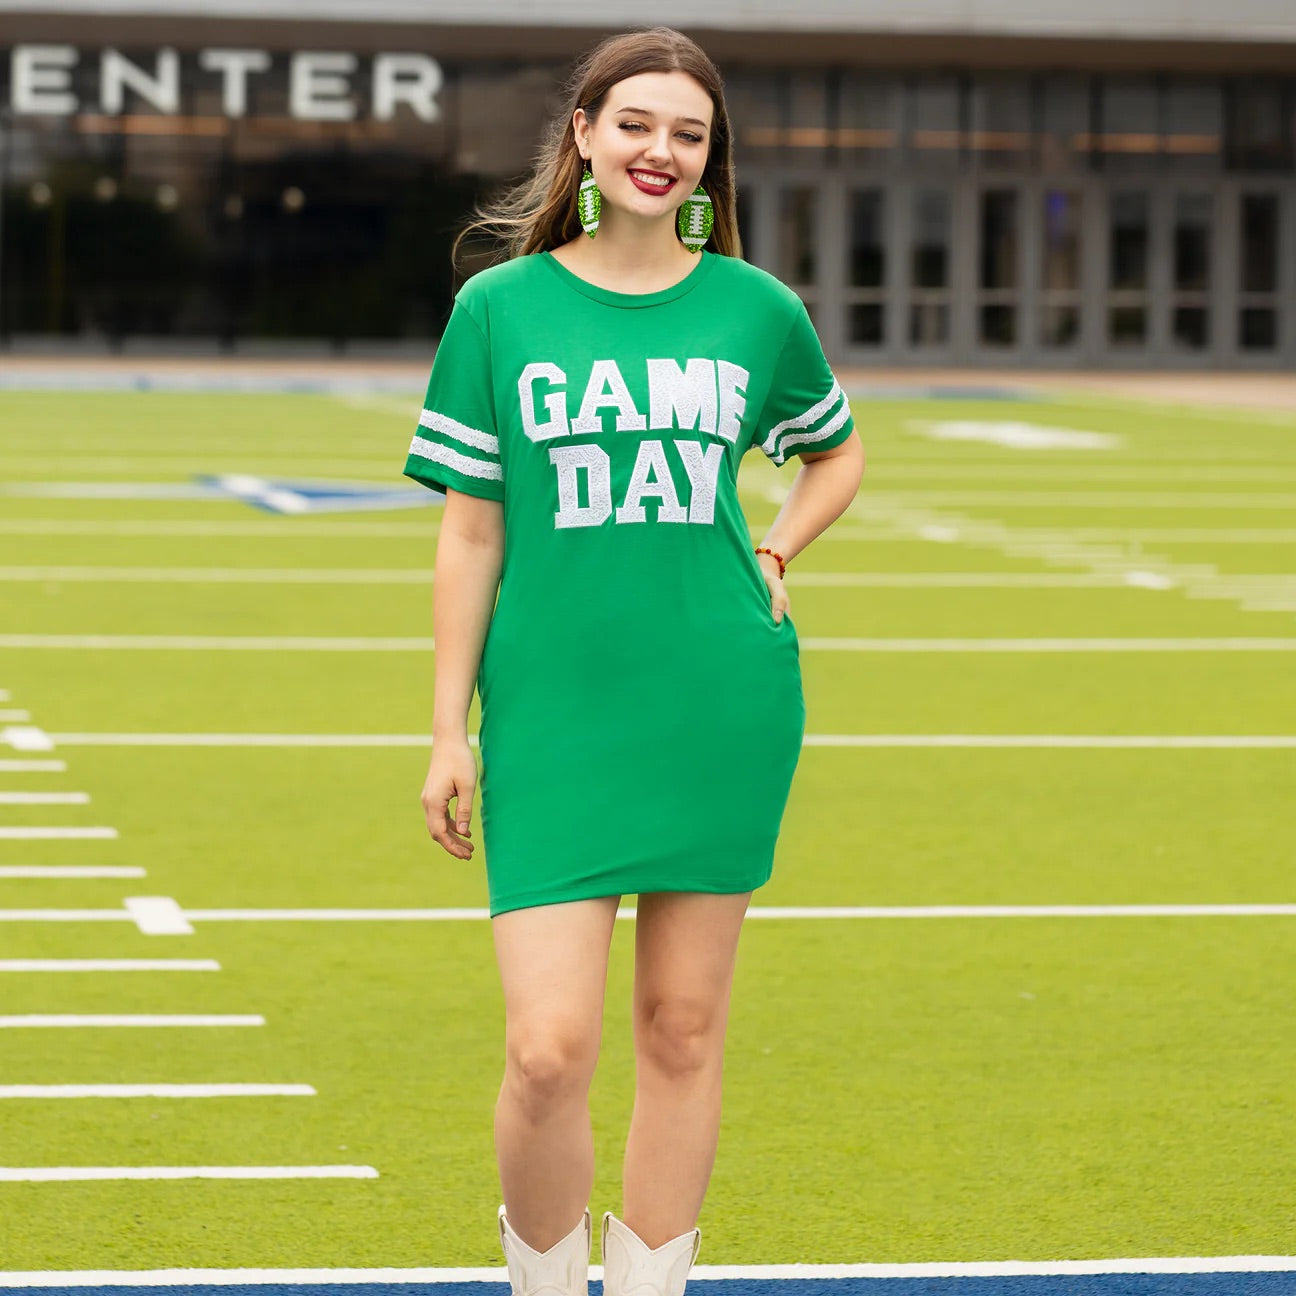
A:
555, 402
733, 398
661, 486
703, 470
604, 374
569, 460
682, 398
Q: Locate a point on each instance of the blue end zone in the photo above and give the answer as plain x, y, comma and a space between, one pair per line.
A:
1170, 1284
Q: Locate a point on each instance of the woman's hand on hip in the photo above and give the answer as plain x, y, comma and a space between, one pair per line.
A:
779, 601
452, 776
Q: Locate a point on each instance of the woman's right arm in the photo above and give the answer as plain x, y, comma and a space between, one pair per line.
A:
470, 554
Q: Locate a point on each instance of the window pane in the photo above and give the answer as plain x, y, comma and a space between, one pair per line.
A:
1194, 138
868, 116
1062, 226
867, 323
998, 238
1067, 129
1129, 240
931, 239
1127, 325
1129, 132
1258, 328
933, 114
998, 325
746, 217
1257, 140
867, 239
1060, 326
796, 244
1001, 122
1191, 327
1192, 242
1259, 242
928, 324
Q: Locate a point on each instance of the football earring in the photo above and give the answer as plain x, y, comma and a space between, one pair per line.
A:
589, 203
696, 220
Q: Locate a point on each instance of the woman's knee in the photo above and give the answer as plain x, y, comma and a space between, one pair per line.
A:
680, 1036
550, 1064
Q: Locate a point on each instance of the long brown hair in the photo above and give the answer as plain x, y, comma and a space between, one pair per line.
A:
540, 213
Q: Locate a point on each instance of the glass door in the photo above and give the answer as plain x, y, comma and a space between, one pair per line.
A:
866, 267
1129, 244
929, 263
1258, 271
1192, 269
999, 280
1060, 301
797, 243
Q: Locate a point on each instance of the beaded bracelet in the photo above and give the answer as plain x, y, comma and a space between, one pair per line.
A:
778, 558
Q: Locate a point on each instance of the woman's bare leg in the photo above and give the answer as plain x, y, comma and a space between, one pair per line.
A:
686, 944
553, 966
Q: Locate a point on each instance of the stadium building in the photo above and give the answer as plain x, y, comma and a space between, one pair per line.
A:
976, 184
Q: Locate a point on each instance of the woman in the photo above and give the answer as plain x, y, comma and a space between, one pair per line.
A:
642, 711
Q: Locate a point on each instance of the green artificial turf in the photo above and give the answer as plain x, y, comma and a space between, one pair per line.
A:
896, 1090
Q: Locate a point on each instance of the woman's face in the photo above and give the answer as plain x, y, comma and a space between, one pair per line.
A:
649, 146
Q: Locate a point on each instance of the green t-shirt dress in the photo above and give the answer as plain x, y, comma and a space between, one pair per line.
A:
641, 712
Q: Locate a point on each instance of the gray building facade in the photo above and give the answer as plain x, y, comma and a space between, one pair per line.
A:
945, 184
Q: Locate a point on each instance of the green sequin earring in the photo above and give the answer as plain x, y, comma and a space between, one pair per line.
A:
696, 220
589, 203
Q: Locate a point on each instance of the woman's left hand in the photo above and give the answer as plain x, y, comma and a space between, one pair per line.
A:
779, 601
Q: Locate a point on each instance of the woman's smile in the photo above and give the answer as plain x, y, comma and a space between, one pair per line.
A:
653, 182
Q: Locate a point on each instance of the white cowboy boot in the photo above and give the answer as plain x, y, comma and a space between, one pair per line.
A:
563, 1270
631, 1268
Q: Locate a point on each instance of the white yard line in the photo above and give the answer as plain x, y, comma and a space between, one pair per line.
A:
396, 644
58, 871
793, 1272
109, 965
252, 740
57, 834
757, 912
36, 1091
44, 798
82, 1174
1262, 644
403, 576
12, 716
25, 738
157, 916
77, 1020
1192, 500
288, 528
33, 767
218, 576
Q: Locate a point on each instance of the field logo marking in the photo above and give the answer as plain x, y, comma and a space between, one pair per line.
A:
1014, 436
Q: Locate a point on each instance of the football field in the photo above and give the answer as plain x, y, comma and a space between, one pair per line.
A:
1021, 987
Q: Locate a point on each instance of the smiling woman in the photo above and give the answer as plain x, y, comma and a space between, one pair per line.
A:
588, 407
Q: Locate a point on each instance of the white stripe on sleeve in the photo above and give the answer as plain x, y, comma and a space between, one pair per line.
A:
447, 426
819, 434
812, 415
453, 459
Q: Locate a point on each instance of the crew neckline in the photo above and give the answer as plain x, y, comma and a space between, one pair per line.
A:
632, 300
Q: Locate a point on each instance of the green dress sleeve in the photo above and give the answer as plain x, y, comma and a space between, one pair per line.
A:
457, 442
806, 408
